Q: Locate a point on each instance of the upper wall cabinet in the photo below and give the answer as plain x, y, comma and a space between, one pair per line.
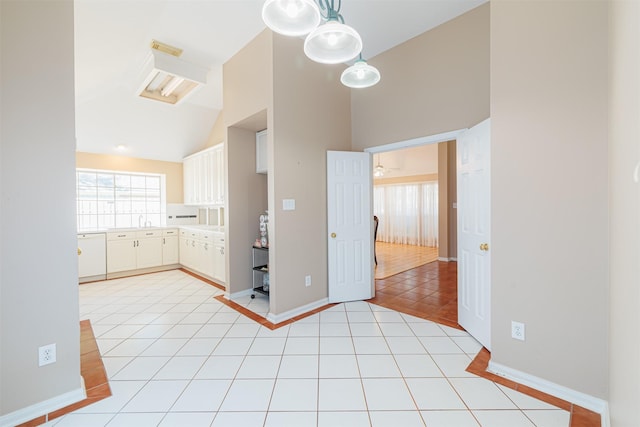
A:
204, 177
261, 152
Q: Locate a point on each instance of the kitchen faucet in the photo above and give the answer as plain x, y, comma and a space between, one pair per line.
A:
140, 221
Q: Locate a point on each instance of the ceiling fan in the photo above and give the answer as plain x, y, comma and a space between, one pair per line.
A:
379, 170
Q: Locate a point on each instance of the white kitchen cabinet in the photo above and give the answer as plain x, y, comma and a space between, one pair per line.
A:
204, 177
148, 248
92, 257
121, 252
219, 258
187, 248
204, 258
261, 152
188, 171
170, 247
219, 175
134, 250
203, 252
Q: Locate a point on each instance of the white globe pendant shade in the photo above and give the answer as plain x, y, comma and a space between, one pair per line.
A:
291, 17
360, 75
333, 43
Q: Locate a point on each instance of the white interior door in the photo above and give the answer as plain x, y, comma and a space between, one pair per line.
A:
349, 226
474, 232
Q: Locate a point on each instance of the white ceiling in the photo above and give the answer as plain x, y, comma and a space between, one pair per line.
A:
112, 39
420, 160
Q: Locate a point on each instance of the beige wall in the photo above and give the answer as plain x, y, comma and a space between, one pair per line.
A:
172, 170
447, 195
247, 200
218, 132
624, 222
247, 89
248, 85
549, 231
311, 115
38, 261
297, 145
434, 83
453, 198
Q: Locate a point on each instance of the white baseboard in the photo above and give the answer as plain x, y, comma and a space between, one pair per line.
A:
445, 259
278, 318
45, 407
581, 399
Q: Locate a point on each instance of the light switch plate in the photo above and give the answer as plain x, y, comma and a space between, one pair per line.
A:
288, 204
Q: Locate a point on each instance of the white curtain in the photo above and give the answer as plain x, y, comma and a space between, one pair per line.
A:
407, 213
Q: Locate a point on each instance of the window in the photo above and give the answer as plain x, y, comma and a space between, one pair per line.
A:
107, 199
408, 213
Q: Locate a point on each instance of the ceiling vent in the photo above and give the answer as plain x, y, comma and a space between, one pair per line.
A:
167, 78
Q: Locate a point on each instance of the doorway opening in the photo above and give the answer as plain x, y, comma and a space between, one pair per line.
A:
416, 251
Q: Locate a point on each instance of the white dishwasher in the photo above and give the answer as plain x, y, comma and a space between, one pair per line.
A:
92, 257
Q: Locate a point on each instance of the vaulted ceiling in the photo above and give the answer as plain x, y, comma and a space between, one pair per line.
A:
112, 41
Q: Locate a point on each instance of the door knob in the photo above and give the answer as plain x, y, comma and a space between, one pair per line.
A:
484, 246
333, 235
79, 251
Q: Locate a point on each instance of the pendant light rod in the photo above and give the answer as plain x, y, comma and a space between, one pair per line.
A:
329, 11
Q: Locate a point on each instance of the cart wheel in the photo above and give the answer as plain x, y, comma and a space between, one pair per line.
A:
253, 296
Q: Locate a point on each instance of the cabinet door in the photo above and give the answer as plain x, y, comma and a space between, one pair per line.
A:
188, 181
219, 268
149, 252
184, 251
197, 179
91, 255
121, 255
220, 175
208, 178
261, 152
170, 250
205, 259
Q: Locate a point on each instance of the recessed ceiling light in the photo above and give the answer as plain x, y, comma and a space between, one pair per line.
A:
121, 147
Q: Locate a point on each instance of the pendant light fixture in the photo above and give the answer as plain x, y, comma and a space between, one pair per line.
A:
291, 17
360, 75
334, 42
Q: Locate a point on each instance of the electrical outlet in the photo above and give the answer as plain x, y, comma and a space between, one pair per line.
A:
517, 330
307, 281
46, 354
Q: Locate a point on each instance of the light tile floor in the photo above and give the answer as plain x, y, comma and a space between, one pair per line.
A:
177, 357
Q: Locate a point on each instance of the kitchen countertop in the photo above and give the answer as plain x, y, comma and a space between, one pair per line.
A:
201, 227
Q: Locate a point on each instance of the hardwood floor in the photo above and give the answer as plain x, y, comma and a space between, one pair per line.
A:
394, 258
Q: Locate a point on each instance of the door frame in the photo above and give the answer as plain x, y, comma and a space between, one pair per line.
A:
415, 142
